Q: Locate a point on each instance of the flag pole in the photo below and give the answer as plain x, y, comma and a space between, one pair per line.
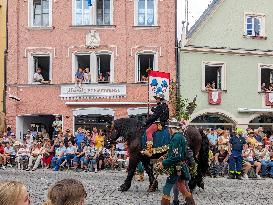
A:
148, 114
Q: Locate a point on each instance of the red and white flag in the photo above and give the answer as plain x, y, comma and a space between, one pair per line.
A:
215, 97
269, 99
159, 83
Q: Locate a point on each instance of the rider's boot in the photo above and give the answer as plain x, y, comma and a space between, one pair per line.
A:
149, 149
166, 200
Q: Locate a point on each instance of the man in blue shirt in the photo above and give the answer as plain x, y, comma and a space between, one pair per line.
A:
236, 146
79, 137
59, 157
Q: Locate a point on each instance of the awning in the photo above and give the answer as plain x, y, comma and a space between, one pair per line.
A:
246, 110
94, 111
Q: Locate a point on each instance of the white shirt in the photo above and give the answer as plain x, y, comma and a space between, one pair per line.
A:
37, 77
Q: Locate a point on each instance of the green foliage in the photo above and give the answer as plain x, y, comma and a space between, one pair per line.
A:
183, 108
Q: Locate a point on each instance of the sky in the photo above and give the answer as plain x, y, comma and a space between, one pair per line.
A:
196, 8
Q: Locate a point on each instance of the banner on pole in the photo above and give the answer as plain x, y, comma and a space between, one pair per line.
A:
159, 82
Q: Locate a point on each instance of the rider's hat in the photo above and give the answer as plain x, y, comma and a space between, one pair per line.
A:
173, 123
160, 96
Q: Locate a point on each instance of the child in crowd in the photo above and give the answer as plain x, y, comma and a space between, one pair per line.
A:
23, 155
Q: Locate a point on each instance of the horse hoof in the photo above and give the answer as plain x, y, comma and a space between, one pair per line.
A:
153, 187
201, 185
123, 188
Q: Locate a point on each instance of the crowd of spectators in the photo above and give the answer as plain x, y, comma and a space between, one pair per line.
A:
85, 150
257, 152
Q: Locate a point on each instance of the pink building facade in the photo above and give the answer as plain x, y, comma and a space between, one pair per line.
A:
115, 43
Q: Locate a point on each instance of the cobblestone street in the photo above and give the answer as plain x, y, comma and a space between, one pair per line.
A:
102, 188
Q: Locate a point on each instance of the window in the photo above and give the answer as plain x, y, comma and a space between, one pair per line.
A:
145, 12
144, 64
99, 13
40, 13
103, 12
265, 78
104, 64
255, 25
96, 67
213, 76
39, 69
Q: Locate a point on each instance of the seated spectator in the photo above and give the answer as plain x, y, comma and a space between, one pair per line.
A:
13, 193
9, 153
80, 156
2, 156
79, 77
88, 138
59, 157
251, 139
38, 77
66, 192
221, 158
23, 155
263, 88
92, 158
36, 155
47, 154
249, 156
70, 153
263, 156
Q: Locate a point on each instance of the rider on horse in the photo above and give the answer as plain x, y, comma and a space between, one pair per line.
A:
156, 122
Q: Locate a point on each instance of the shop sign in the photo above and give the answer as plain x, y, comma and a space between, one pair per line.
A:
93, 91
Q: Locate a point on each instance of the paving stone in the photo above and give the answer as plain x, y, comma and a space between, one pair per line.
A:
102, 188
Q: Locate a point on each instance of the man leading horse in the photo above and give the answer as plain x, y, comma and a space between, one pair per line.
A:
176, 165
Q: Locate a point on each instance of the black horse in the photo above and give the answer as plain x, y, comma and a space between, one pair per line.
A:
132, 131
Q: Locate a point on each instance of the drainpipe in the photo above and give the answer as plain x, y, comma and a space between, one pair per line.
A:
5, 61
177, 54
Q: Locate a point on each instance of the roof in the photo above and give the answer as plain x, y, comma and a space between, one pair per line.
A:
203, 17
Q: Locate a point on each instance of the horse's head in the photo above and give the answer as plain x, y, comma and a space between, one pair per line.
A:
124, 127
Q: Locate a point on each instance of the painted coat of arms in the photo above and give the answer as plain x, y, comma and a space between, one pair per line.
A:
92, 39
159, 82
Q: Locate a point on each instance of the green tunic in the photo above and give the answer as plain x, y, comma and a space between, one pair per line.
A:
177, 155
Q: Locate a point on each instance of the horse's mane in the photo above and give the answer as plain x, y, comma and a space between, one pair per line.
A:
128, 127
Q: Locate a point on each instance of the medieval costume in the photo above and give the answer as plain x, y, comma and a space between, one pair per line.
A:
176, 166
156, 122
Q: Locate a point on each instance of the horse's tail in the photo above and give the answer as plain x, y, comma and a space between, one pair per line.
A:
203, 157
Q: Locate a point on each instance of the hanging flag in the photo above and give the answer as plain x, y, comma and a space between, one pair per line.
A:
159, 83
269, 99
89, 2
215, 97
